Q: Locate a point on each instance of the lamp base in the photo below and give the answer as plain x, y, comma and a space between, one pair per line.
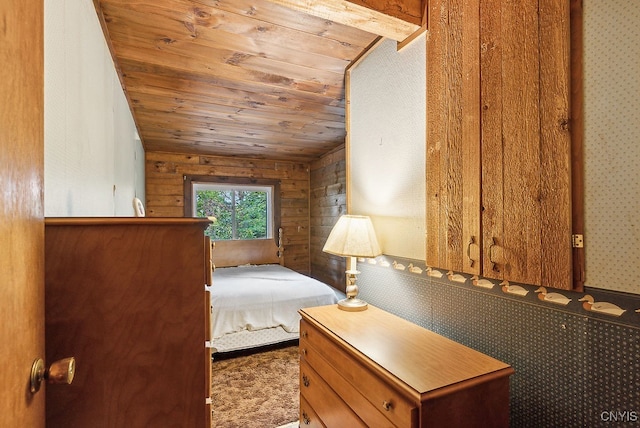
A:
352, 305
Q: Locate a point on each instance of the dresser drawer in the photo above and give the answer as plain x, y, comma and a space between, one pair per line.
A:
332, 411
373, 396
371, 415
308, 417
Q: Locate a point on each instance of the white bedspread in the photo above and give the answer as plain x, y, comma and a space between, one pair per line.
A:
257, 297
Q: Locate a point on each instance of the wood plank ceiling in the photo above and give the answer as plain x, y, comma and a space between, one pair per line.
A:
247, 78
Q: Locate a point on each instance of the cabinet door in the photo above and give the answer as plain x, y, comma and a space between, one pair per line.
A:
526, 148
499, 192
453, 138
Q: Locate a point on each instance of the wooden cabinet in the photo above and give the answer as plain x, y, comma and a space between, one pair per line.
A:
126, 297
498, 140
372, 368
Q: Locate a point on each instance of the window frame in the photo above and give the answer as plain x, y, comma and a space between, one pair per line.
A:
241, 182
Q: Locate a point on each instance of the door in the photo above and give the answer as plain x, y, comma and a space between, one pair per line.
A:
21, 209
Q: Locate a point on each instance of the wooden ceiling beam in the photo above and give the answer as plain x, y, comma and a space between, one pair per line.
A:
393, 19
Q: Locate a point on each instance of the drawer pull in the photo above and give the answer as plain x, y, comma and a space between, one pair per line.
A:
386, 405
305, 418
303, 351
305, 380
304, 333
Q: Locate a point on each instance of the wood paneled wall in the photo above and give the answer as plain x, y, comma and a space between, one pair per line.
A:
165, 194
328, 199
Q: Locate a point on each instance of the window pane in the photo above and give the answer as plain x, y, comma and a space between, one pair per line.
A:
240, 214
219, 204
251, 215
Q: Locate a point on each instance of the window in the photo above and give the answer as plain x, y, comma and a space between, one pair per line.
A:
244, 209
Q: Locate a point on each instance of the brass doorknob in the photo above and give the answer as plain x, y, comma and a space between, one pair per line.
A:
62, 371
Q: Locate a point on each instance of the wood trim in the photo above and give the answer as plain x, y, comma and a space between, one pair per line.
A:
458, 387
577, 138
412, 38
420, 31
363, 54
118, 221
393, 21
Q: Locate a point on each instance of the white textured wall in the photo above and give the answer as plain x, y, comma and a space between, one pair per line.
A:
387, 145
94, 163
612, 144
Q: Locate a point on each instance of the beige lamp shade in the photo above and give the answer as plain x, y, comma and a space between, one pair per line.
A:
353, 236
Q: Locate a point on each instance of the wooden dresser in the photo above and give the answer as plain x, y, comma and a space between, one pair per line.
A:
126, 297
374, 369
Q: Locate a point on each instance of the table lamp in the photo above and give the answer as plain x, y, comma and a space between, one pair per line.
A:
352, 236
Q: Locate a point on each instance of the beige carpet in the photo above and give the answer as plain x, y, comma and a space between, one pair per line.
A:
259, 390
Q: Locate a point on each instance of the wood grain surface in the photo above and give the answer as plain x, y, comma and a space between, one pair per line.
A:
21, 209
498, 143
236, 78
428, 379
125, 298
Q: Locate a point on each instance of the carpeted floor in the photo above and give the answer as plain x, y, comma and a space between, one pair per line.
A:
258, 390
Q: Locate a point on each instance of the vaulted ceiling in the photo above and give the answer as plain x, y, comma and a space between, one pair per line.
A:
247, 78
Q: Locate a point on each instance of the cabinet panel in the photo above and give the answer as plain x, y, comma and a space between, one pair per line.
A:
518, 160
556, 152
526, 157
124, 296
453, 150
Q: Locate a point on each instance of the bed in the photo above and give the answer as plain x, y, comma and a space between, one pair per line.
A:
255, 299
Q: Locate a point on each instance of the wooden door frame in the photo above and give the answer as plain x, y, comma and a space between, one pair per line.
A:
577, 139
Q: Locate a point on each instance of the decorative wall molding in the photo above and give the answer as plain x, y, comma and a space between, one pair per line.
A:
623, 308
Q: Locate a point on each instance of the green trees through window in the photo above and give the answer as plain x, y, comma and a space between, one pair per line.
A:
240, 214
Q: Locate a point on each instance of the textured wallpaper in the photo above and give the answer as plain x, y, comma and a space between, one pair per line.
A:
94, 164
387, 145
612, 144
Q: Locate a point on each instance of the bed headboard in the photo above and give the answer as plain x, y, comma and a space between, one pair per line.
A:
242, 252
